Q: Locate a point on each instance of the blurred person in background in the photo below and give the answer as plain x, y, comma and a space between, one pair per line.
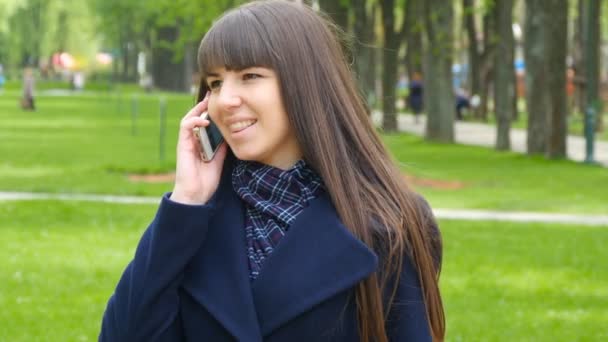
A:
27, 100
415, 98
2, 78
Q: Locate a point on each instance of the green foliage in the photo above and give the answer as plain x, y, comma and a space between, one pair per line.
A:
31, 30
137, 21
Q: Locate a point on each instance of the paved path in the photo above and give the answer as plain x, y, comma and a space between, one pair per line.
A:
475, 215
470, 133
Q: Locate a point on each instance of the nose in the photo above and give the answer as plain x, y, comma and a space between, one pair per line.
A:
229, 97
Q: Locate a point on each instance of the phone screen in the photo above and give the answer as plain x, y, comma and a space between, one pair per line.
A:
215, 137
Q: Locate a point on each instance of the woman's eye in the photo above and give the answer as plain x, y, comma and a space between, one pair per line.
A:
251, 76
214, 84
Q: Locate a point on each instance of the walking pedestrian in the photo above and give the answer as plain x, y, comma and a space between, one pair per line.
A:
27, 100
415, 98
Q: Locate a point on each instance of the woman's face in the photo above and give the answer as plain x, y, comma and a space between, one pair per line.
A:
247, 107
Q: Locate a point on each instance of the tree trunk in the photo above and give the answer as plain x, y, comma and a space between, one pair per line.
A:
414, 22
125, 61
438, 93
598, 44
363, 48
371, 74
190, 67
557, 33
504, 83
592, 60
487, 62
578, 46
473, 48
536, 76
389, 64
167, 74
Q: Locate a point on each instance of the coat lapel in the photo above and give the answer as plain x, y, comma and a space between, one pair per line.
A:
317, 259
218, 276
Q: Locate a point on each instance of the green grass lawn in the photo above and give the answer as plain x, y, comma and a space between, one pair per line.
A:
87, 142
90, 143
475, 177
60, 262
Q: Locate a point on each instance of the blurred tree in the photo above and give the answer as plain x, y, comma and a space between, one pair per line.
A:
578, 64
337, 10
438, 95
481, 52
393, 38
364, 22
505, 74
592, 42
556, 12
545, 53
414, 26
469, 11
27, 28
537, 100
487, 58
168, 30
121, 24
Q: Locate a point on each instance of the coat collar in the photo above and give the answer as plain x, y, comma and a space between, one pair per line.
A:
317, 259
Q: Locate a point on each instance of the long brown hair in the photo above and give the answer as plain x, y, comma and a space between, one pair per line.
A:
338, 140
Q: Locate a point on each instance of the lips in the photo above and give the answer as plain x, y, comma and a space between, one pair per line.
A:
241, 125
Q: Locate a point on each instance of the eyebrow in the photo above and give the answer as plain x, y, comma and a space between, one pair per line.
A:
212, 74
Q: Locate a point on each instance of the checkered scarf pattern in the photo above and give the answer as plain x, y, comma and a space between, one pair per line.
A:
273, 199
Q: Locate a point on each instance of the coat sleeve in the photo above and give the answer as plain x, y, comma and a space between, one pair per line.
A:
145, 304
407, 319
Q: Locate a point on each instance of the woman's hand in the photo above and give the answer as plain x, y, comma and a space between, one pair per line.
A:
195, 180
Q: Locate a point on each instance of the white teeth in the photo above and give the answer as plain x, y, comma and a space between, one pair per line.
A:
237, 126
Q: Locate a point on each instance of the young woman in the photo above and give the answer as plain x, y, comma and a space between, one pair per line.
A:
300, 228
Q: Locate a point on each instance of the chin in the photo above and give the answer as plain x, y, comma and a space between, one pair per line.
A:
246, 154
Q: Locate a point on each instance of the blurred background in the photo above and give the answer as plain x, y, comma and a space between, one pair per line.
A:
492, 108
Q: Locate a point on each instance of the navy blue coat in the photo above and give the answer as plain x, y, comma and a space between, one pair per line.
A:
189, 280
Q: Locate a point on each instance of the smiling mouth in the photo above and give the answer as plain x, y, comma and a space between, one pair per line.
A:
242, 125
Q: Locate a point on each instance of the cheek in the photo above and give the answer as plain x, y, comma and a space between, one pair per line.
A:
211, 109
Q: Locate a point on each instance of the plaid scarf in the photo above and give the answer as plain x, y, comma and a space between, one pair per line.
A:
273, 199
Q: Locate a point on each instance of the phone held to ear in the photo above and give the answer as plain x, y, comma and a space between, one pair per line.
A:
209, 137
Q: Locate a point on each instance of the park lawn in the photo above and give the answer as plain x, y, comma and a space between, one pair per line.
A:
88, 143
91, 143
60, 262
459, 176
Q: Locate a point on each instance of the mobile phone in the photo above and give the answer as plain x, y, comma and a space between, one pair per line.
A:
209, 137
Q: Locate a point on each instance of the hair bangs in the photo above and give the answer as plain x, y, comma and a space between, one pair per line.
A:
236, 42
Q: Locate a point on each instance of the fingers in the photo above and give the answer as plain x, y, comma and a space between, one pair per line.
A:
192, 122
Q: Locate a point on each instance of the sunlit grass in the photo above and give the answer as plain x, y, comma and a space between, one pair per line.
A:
91, 143
525, 282
60, 262
501, 181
